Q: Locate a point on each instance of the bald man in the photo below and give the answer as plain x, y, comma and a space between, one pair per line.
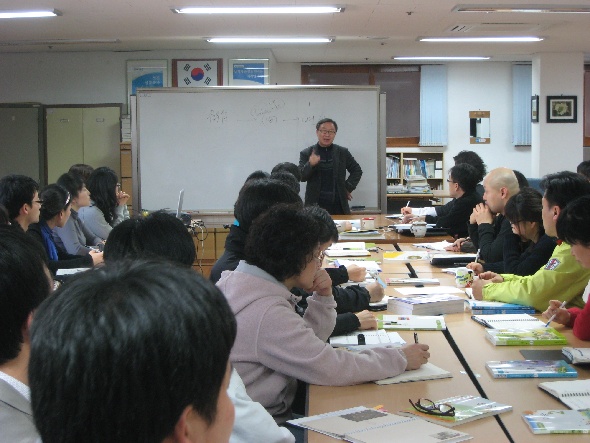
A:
487, 225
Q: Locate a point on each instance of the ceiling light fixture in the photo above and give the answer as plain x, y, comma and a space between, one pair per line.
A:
59, 42
260, 10
481, 39
270, 40
546, 9
440, 58
29, 14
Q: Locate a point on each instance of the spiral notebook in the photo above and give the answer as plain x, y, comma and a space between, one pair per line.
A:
508, 321
575, 394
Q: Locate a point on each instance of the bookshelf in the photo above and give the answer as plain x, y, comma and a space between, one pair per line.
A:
400, 164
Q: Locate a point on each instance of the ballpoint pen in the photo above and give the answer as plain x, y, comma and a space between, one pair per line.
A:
408, 204
555, 315
477, 256
415, 337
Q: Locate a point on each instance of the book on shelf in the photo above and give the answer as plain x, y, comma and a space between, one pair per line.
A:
560, 421
508, 321
495, 307
365, 425
413, 322
525, 337
427, 371
429, 304
575, 394
379, 337
467, 408
577, 355
531, 369
393, 281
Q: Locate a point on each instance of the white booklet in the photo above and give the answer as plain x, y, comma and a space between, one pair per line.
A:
508, 321
365, 425
413, 322
427, 371
379, 337
409, 291
575, 393
577, 355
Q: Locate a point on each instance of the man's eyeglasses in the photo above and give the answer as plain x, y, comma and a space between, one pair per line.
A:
38, 201
429, 407
320, 258
324, 132
450, 181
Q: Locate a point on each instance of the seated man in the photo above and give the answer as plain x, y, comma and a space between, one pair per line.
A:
572, 227
24, 284
562, 276
20, 196
133, 352
455, 214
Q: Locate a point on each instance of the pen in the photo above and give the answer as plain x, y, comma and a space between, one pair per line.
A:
477, 256
555, 315
408, 204
375, 275
415, 337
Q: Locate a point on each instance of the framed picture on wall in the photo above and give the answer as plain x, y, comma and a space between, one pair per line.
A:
562, 109
248, 72
197, 72
146, 74
535, 109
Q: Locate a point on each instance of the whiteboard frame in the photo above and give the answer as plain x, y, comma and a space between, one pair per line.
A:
381, 137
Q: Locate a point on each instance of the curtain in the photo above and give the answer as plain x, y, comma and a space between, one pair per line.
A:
522, 90
433, 106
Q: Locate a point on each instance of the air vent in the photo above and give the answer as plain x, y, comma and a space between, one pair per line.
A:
487, 28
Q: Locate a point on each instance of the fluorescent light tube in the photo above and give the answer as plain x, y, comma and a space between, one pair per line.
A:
270, 40
28, 14
482, 39
261, 10
547, 9
440, 58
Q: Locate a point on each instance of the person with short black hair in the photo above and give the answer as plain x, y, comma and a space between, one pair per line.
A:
561, 275
323, 166
257, 175
4, 218
24, 284
473, 159
19, 194
528, 248
521, 179
108, 206
55, 212
289, 167
572, 227
133, 352
287, 178
156, 236
74, 237
584, 169
81, 170
255, 197
276, 346
455, 214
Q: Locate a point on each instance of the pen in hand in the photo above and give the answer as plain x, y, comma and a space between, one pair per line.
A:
555, 315
415, 337
477, 256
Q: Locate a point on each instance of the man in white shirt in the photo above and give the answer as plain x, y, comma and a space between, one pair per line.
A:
24, 284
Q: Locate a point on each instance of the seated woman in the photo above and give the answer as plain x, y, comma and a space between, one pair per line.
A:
528, 248
276, 346
108, 206
454, 216
572, 228
55, 211
74, 237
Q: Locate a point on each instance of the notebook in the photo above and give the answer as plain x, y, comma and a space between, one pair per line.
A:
525, 337
413, 322
531, 369
558, 421
467, 408
427, 371
365, 425
392, 281
379, 337
507, 321
495, 307
577, 355
575, 394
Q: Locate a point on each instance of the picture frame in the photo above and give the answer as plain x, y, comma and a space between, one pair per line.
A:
535, 109
146, 74
191, 73
562, 109
248, 72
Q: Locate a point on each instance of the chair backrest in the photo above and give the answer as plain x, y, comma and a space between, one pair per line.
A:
534, 183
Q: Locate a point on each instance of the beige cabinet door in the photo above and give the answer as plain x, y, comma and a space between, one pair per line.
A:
102, 135
65, 140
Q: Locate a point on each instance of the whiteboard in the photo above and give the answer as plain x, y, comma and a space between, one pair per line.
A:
208, 140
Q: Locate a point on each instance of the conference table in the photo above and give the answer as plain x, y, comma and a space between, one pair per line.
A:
462, 350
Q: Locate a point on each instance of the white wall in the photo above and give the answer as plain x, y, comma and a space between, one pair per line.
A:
100, 77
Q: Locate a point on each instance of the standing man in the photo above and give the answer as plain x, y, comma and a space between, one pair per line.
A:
323, 166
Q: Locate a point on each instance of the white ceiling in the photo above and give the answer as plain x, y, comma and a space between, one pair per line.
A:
368, 31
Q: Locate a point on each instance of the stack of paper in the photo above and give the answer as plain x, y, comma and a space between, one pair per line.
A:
435, 304
379, 337
437, 246
496, 307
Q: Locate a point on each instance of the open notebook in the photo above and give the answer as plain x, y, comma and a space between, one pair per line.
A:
508, 321
575, 394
